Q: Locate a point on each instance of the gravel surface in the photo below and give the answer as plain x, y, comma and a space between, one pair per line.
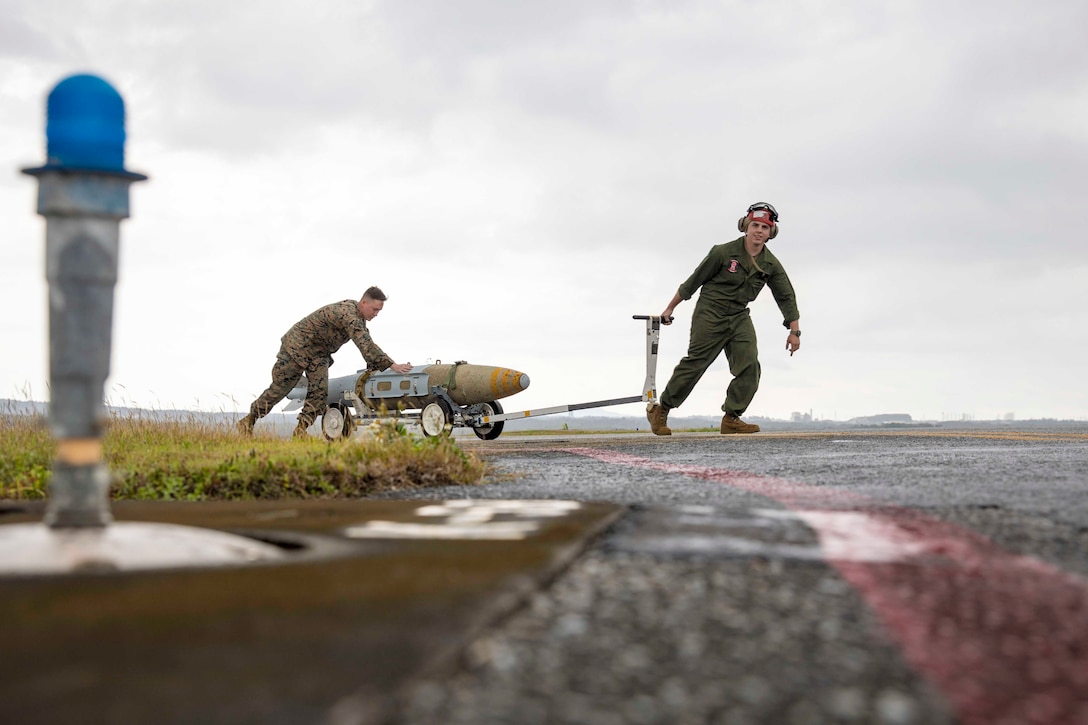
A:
664, 620
624, 638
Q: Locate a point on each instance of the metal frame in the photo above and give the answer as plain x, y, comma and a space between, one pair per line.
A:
649, 386
469, 416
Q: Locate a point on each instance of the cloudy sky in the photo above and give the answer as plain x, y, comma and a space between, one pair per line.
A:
522, 177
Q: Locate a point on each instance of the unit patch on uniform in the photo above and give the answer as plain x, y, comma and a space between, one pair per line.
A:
732, 265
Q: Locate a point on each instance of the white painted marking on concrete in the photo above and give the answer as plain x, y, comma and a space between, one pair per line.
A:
499, 531
854, 536
468, 519
124, 546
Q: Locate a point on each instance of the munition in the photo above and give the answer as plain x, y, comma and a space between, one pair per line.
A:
442, 397
464, 384
446, 395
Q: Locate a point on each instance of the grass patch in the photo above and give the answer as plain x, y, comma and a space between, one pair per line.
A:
192, 460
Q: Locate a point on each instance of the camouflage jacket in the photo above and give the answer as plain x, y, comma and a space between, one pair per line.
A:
312, 340
730, 280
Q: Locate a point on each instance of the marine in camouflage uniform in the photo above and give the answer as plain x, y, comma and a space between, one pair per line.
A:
731, 276
307, 348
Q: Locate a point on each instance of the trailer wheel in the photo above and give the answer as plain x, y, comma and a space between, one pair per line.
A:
434, 418
336, 422
490, 431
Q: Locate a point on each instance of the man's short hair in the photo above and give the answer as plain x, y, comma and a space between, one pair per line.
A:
374, 293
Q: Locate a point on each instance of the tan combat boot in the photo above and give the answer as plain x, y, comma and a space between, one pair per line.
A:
733, 424
245, 425
658, 416
300, 430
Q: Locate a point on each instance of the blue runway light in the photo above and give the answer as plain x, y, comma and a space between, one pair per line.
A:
83, 193
85, 125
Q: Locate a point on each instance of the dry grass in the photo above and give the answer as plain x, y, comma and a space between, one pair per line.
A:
195, 460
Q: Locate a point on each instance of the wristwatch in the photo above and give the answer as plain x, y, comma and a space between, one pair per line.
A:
795, 332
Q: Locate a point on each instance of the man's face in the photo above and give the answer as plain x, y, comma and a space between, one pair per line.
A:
757, 233
369, 309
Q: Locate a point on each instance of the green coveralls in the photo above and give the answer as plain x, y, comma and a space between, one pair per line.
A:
721, 321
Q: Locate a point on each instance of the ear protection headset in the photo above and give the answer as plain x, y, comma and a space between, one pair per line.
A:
742, 223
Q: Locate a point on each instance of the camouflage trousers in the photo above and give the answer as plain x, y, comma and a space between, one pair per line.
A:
286, 374
710, 336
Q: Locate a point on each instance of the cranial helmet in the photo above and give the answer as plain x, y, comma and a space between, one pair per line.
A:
761, 211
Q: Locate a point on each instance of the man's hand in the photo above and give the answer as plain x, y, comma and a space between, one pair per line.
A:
666, 316
402, 368
793, 343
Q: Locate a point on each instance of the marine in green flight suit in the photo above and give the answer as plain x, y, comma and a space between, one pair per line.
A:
731, 276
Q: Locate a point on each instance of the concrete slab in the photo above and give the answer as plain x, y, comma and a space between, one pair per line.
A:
370, 593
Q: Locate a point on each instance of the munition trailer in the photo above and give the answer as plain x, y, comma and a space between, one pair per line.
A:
441, 397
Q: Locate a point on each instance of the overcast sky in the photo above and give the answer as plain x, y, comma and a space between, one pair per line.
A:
522, 177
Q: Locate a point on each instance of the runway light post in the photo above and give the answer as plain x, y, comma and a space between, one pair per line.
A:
83, 193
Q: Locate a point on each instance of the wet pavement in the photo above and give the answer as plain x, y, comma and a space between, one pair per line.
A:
929, 576
912, 577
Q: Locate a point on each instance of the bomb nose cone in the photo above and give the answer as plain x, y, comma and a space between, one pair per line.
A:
467, 384
505, 381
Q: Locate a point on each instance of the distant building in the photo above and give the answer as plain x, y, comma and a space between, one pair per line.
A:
882, 419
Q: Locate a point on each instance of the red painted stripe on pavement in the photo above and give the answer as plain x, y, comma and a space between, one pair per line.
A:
1003, 636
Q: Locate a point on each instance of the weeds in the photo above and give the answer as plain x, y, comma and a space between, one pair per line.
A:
191, 460
26, 453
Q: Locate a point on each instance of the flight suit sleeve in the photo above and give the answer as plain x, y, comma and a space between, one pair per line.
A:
784, 296
705, 272
375, 358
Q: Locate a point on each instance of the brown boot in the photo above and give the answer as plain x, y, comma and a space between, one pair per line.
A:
733, 424
245, 425
300, 430
658, 415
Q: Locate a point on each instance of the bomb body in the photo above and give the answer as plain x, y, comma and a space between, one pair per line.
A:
446, 395
464, 384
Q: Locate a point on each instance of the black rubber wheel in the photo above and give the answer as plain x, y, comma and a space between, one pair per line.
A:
490, 431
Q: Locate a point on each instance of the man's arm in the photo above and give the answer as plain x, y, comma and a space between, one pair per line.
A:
375, 357
709, 267
666, 316
782, 289
784, 297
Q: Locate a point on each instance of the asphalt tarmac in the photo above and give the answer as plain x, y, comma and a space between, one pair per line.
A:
913, 576
925, 576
